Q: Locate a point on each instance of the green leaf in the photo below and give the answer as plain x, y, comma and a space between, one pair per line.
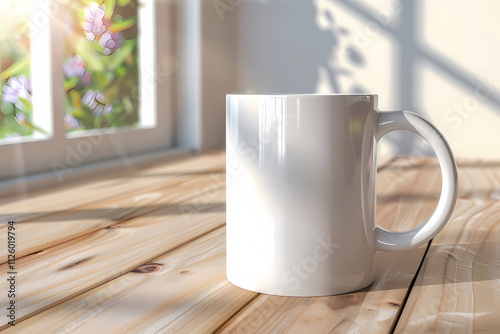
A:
22, 66
100, 81
121, 71
2, 83
95, 48
80, 13
8, 108
75, 98
26, 103
84, 49
110, 8
121, 55
79, 113
125, 24
39, 129
70, 83
123, 3
84, 117
97, 122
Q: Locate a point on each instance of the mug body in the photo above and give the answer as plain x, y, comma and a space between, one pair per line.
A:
300, 200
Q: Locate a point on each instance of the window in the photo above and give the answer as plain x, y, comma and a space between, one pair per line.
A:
16, 105
101, 65
83, 81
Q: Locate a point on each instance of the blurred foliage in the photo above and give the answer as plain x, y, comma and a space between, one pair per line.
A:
15, 62
109, 80
115, 76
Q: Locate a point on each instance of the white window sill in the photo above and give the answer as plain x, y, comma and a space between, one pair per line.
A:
24, 184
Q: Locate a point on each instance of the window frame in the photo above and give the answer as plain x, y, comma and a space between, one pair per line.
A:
62, 153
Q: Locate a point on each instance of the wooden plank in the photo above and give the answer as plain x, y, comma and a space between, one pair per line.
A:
232, 296
458, 287
43, 232
406, 196
479, 180
92, 190
70, 268
183, 291
407, 193
370, 310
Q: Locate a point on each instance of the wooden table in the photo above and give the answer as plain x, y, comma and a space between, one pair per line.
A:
143, 252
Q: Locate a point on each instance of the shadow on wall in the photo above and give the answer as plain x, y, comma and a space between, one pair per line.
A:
295, 41
297, 46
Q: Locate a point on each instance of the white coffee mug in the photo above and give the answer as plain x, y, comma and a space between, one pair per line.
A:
301, 191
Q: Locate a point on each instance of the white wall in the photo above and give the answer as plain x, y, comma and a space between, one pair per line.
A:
207, 57
436, 58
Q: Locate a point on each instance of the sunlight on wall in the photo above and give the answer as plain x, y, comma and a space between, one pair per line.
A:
401, 50
458, 77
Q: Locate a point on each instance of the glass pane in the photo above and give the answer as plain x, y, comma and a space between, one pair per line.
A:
15, 72
101, 64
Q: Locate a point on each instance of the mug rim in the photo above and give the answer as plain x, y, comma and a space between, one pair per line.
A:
301, 95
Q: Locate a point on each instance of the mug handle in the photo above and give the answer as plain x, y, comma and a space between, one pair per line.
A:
399, 241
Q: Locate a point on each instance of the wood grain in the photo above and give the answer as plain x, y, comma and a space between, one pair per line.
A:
199, 300
371, 310
71, 195
479, 180
183, 291
75, 266
458, 288
42, 232
143, 252
406, 193
406, 197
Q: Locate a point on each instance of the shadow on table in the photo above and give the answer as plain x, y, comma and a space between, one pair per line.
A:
123, 213
450, 264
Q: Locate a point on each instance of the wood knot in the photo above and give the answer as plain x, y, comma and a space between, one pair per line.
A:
112, 227
35, 253
352, 297
185, 272
76, 263
148, 268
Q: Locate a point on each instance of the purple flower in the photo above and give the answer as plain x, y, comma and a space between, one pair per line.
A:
72, 123
110, 42
74, 67
95, 24
86, 79
108, 108
22, 119
92, 98
16, 88
95, 101
98, 110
